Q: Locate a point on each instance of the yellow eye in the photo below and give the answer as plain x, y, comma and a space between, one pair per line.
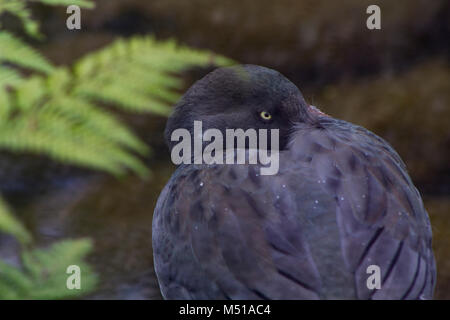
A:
265, 115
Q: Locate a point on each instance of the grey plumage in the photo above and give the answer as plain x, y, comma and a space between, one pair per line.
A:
341, 201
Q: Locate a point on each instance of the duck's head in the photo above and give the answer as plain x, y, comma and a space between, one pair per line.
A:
244, 96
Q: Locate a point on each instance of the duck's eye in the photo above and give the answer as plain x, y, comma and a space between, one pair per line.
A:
265, 115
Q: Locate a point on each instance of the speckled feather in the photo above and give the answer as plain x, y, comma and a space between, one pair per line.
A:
341, 201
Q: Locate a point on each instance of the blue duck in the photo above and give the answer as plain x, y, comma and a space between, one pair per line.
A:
341, 203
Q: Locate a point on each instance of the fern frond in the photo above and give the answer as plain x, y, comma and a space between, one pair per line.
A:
48, 268
14, 284
139, 74
52, 134
5, 105
20, 10
59, 115
99, 122
30, 94
9, 224
17, 52
43, 273
9, 76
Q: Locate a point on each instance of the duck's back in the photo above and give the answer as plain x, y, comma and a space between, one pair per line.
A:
341, 202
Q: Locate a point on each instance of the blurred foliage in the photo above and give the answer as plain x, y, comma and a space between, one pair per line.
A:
57, 111
10, 225
20, 9
15, 51
42, 274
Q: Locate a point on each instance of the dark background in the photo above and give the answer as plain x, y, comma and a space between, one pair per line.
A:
393, 81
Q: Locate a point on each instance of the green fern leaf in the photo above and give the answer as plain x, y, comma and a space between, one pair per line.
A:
43, 274
9, 77
10, 225
5, 105
19, 9
58, 114
17, 52
14, 284
139, 74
